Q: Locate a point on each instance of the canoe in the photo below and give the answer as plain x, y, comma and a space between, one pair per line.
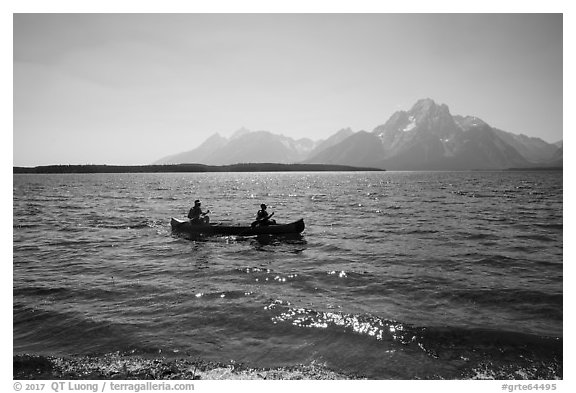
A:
237, 230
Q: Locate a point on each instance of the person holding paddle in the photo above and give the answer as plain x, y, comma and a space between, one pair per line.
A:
263, 218
196, 215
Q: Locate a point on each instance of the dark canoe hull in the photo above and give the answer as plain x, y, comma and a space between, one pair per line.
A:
218, 229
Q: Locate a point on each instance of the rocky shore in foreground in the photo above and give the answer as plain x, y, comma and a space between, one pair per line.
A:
128, 366
118, 366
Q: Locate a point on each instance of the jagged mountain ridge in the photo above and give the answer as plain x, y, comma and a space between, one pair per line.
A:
338, 137
202, 154
426, 137
245, 146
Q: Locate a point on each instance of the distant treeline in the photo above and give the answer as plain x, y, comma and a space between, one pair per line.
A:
268, 167
551, 168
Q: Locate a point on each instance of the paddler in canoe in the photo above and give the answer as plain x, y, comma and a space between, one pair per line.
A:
198, 223
196, 215
263, 218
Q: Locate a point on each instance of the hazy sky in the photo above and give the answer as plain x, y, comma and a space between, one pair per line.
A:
132, 88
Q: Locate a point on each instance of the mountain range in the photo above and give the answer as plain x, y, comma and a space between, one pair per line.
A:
426, 137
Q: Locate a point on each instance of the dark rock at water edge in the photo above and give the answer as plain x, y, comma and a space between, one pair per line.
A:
122, 366
117, 366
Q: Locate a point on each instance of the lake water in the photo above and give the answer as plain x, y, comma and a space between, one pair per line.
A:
398, 275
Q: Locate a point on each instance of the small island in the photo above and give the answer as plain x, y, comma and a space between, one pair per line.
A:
245, 167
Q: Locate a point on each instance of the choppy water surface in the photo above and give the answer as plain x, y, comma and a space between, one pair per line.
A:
397, 275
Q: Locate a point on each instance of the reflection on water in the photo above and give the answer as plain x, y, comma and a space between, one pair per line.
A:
397, 275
